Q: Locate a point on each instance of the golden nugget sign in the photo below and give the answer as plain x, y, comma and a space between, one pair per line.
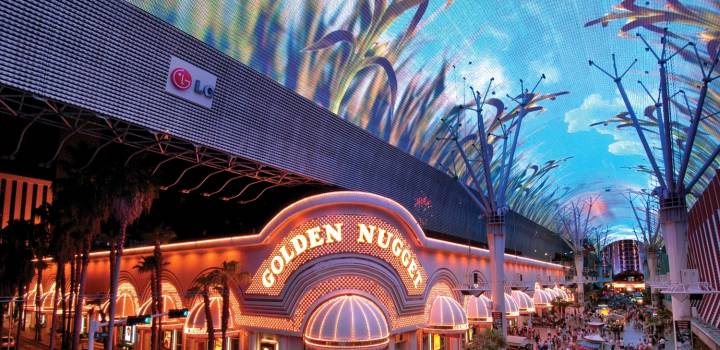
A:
339, 234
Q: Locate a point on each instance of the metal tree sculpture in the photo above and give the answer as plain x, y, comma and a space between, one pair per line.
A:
489, 188
599, 238
576, 218
675, 146
645, 209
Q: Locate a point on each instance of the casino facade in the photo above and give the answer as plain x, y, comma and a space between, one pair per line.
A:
341, 270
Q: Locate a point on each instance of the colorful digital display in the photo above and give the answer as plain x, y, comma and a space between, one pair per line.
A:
397, 67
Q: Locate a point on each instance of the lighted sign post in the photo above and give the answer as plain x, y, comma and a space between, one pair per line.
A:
339, 234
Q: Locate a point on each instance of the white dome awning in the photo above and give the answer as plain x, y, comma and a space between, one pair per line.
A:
168, 303
542, 298
552, 293
29, 302
195, 322
524, 302
511, 307
446, 316
478, 309
561, 293
347, 322
126, 301
125, 306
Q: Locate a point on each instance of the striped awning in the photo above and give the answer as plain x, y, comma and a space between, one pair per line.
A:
446, 316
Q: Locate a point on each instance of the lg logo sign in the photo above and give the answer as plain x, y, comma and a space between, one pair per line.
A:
181, 78
190, 82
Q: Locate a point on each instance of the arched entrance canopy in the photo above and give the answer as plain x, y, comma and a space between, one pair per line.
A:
347, 322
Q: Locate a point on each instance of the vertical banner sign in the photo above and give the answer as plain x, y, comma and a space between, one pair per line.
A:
497, 321
683, 335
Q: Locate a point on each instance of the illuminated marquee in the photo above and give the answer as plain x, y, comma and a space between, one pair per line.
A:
337, 234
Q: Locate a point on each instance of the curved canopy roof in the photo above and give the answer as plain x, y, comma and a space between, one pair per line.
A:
29, 301
427, 54
347, 322
446, 316
125, 306
478, 309
542, 298
195, 322
561, 293
511, 307
168, 303
524, 302
554, 294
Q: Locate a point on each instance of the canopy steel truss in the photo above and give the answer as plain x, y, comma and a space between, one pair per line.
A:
73, 120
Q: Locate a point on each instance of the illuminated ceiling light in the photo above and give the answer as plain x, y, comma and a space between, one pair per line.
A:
347, 322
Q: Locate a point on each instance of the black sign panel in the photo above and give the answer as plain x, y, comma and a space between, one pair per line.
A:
497, 321
683, 335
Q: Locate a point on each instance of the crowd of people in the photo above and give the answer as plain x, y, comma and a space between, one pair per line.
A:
552, 331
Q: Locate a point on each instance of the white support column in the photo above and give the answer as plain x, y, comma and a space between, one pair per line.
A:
496, 242
652, 274
674, 226
579, 268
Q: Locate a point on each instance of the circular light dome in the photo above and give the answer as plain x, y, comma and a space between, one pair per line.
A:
561, 293
195, 322
446, 316
30, 297
552, 292
523, 301
478, 309
168, 303
124, 305
511, 307
49, 298
347, 322
542, 298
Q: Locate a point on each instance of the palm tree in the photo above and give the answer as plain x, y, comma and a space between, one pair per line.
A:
202, 287
150, 264
158, 235
60, 249
16, 266
130, 193
81, 196
40, 246
491, 339
225, 276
